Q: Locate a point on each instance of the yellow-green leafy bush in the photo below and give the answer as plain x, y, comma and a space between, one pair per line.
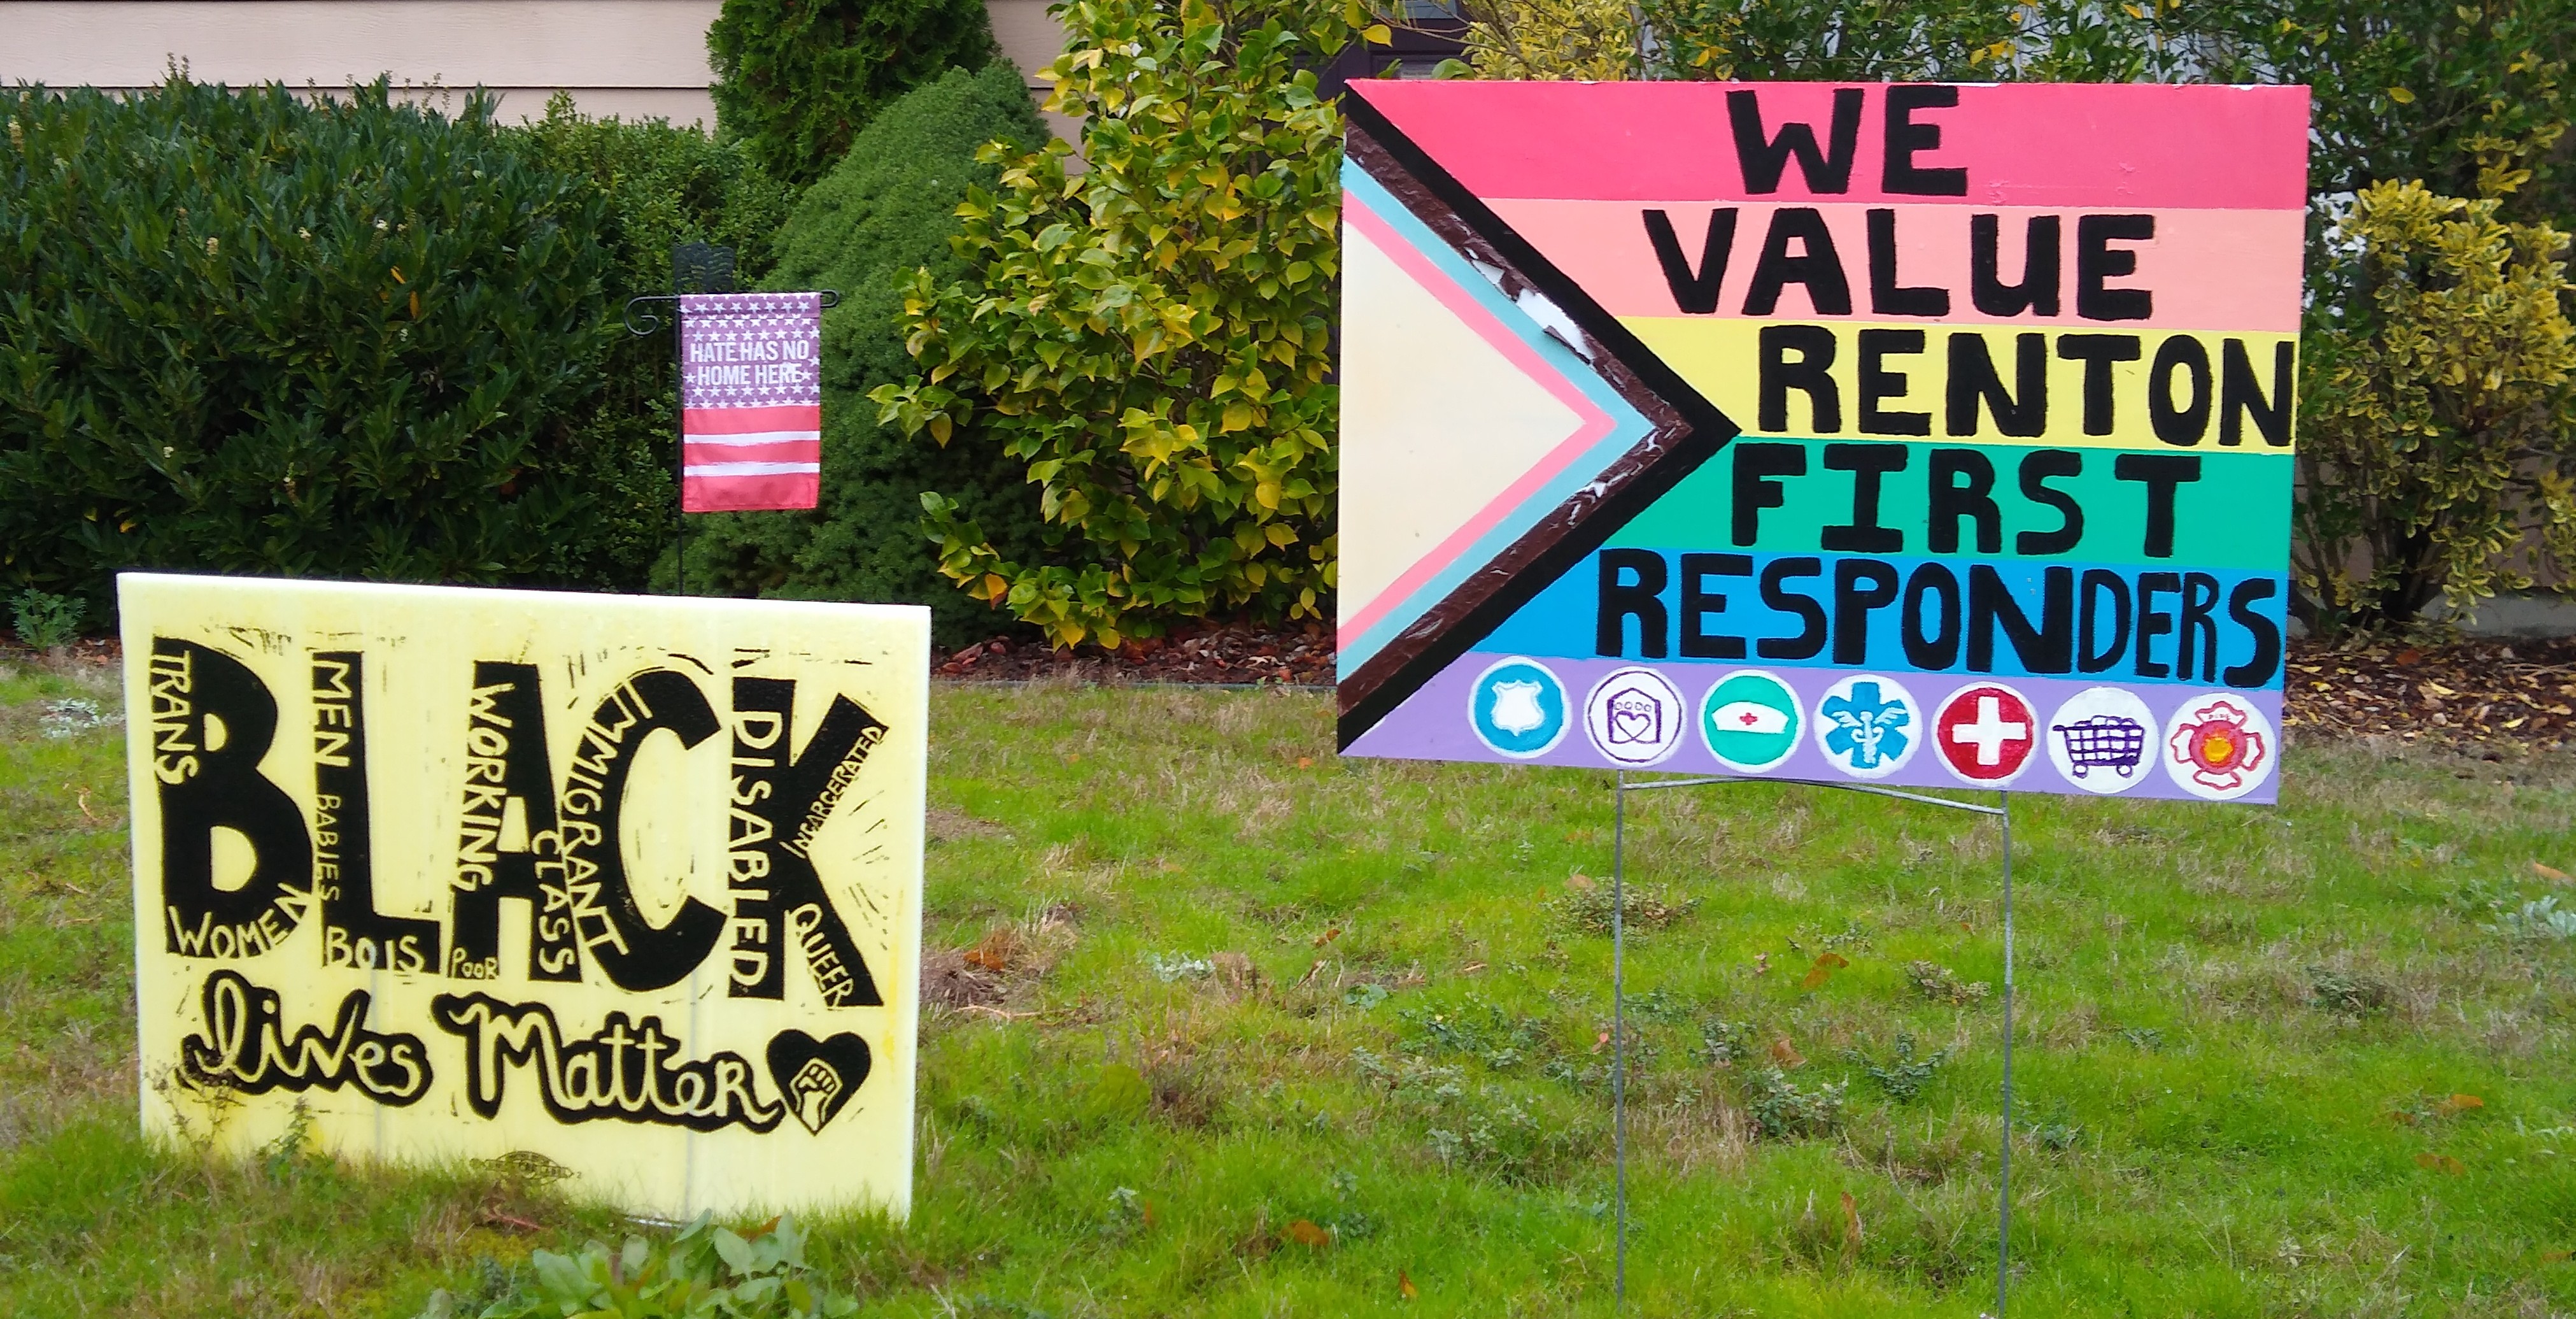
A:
1152, 337
2434, 446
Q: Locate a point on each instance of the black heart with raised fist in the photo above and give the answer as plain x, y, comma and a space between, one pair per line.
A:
817, 1077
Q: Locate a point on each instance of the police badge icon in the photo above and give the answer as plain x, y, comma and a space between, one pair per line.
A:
1517, 707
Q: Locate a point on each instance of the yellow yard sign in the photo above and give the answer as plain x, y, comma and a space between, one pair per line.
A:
630, 883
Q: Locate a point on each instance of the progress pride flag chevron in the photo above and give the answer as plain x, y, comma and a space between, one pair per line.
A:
751, 401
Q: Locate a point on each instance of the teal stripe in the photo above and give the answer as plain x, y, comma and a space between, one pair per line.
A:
2236, 516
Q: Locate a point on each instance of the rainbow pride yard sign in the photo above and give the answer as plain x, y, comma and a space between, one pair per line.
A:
1910, 434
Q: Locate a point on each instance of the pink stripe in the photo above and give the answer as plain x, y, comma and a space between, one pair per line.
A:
2089, 146
1596, 423
2212, 270
791, 451
741, 421
748, 494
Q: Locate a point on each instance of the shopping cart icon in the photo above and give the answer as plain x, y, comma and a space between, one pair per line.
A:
2103, 741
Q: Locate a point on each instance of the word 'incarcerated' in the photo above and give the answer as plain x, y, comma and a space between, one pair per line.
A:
527, 831
246, 1047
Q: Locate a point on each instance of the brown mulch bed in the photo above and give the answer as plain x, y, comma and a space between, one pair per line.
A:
2520, 692
1229, 653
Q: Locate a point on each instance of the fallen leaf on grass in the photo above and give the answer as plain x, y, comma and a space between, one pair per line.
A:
1305, 762
1404, 1282
1786, 1054
2461, 1103
1307, 1234
1823, 970
2444, 1162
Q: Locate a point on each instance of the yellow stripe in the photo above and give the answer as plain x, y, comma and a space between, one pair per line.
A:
2244, 389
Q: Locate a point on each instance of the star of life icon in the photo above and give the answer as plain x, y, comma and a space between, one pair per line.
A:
1635, 716
1518, 708
2218, 746
817, 1083
1867, 725
1985, 733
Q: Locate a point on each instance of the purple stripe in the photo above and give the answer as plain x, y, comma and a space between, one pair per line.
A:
1433, 724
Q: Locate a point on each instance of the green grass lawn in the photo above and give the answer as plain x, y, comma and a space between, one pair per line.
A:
1274, 1033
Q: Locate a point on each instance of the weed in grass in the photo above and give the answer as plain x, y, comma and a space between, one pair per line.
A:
1903, 1074
1782, 1110
72, 716
1479, 1030
1940, 984
703, 1270
1724, 1043
2540, 919
1179, 966
1586, 906
45, 620
1497, 1134
2349, 993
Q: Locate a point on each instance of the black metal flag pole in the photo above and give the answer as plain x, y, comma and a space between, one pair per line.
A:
695, 268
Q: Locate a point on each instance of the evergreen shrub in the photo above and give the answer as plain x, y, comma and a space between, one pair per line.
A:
887, 211
241, 333
797, 80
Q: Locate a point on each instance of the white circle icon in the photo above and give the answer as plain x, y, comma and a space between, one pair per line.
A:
2103, 740
2218, 746
1635, 717
1868, 725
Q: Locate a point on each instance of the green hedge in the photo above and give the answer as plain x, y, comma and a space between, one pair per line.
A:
242, 333
797, 80
888, 210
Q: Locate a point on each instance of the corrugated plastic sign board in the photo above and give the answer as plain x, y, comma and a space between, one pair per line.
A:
631, 884
1915, 435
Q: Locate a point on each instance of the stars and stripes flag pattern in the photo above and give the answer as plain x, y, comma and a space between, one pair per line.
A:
751, 401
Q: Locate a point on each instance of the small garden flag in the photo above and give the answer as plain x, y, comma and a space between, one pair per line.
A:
751, 401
